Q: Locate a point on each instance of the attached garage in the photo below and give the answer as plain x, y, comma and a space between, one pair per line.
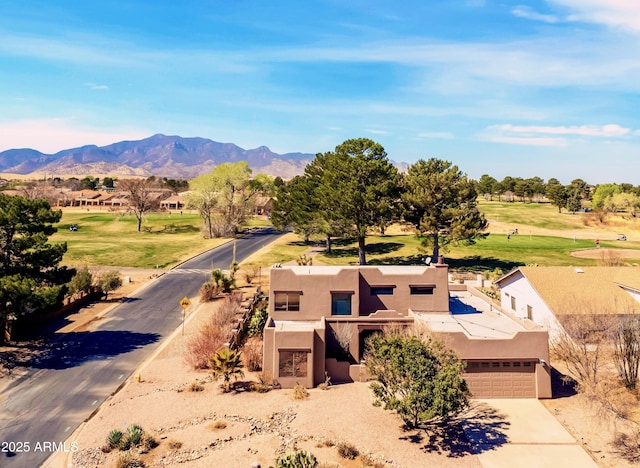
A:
501, 379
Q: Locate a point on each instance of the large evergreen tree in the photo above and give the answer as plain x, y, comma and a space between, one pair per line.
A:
30, 276
358, 185
440, 202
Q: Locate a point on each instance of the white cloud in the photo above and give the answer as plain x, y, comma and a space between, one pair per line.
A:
436, 135
538, 135
377, 132
96, 87
52, 135
522, 11
615, 13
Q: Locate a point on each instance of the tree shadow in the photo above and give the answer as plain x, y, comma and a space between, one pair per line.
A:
479, 429
562, 386
380, 248
73, 349
478, 264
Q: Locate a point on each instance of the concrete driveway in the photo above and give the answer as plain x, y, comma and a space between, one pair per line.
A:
529, 437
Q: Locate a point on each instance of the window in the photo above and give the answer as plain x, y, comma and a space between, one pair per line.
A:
527, 364
287, 301
513, 303
341, 303
293, 363
516, 364
506, 364
421, 290
382, 290
495, 364
529, 312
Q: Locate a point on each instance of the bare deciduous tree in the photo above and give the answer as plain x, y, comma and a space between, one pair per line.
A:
626, 350
143, 196
583, 344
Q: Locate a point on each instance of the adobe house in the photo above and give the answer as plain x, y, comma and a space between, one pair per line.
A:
548, 295
321, 316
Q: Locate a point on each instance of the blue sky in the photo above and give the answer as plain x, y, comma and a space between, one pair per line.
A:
544, 88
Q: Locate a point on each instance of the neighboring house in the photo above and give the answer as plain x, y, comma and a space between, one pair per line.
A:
321, 317
547, 295
174, 202
263, 205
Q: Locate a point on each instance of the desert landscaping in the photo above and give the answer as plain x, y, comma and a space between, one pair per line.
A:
197, 424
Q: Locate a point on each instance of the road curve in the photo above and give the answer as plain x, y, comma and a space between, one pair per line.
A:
62, 389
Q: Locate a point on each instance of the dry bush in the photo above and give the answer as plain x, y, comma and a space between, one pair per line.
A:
250, 273
626, 350
343, 333
627, 446
196, 387
252, 354
174, 444
206, 343
128, 460
347, 450
583, 345
218, 425
300, 393
209, 291
368, 460
214, 334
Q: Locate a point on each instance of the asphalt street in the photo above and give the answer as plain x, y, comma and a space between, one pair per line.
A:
39, 411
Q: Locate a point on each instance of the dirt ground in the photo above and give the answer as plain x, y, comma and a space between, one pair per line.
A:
210, 428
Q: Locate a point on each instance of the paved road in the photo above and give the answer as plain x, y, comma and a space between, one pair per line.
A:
62, 389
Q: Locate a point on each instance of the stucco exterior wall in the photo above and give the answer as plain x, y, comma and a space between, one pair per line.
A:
517, 286
316, 286
529, 345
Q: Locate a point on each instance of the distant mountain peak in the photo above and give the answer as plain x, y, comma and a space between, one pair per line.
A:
159, 155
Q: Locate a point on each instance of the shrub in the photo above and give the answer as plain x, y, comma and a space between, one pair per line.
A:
81, 281
258, 322
627, 446
205, 344
264, 384
148, 443
226, 364
251, 273
299, 392
218, 425
129, 460
109, 281
209, 291
174, 444
299, 459
114, 438
196, 387
135, 434
348, 451
252, 354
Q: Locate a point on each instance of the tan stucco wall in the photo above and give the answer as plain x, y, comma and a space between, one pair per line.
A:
526, 345
315, 301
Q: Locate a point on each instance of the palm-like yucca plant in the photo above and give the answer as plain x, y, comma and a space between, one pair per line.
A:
226, 364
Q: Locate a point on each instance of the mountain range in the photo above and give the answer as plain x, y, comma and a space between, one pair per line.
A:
159, 155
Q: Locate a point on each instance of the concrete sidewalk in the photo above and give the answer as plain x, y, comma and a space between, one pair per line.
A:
534, 438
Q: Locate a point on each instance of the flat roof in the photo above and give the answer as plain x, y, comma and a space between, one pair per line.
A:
334, 270
290, 325
473, 317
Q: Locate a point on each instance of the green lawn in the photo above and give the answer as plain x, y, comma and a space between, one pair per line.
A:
495, 251
541, 215
108, 239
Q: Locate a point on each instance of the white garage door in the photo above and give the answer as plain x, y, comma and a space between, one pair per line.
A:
501, 379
